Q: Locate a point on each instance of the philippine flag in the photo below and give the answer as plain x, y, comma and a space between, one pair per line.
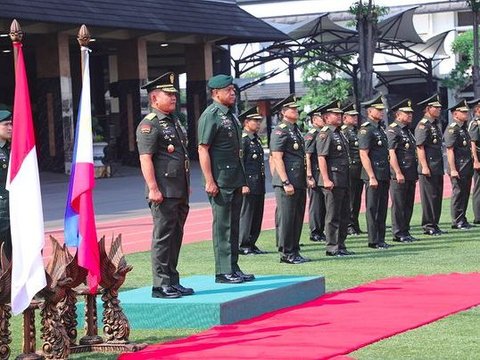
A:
23, 184
80, 230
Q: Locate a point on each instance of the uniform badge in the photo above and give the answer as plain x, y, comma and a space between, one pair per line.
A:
322, 135
145, 129
170, 148
278, 132
363, 131
451, 131
4, 166
295, 146
421, 126
339, 147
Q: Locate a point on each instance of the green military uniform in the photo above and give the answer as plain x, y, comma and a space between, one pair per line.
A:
286, 138
356, 183
456, 136
372, 137
401, 139
428, 134
332, 145
251, 215
474, 132
220, 129
316, 205
162, 135
5, 235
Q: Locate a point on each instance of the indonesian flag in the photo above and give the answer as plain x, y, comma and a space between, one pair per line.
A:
23, 184
80, 230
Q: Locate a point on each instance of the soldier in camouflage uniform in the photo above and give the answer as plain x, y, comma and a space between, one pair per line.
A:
428, 137
5, 139
164, 161
373, 145
350, 130
403, 168
316, 205
289, 181
254, 193
220, 154
460, 164
474, 131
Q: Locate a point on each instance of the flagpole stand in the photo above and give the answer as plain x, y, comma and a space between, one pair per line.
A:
29, 333
5, 338
91, 337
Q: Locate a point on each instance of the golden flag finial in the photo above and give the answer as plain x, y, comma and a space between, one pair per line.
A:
16, 33
83, 36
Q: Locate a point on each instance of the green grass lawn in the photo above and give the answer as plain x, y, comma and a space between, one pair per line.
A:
455, 337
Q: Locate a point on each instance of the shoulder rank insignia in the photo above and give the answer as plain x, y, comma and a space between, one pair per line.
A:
312, 131
453, 124
344, 127
325, 128
150, 116
282, 126
244, 135
424, 121
393, 124
366, 123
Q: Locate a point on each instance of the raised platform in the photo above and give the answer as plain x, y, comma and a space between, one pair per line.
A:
215, 304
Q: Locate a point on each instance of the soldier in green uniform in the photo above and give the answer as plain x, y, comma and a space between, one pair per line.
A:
220, 155
474, 131
254, 193
460, 164
289, 181
5, 139
333, 160
373, 145
428, 137
316, 205
350, 131
403, 169
162, 146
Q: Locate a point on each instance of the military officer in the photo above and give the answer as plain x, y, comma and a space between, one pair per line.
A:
403, 170
474, 132
316, 205
350, 131
254, 194
289, 181
373, 147
164, 162
428, 137
5, 139
333, 160
460, 164
220, 155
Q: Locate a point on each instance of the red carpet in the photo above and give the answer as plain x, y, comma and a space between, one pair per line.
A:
333, 325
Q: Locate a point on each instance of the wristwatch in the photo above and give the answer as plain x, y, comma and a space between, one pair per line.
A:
285, 183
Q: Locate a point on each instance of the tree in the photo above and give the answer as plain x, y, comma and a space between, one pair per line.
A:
366, 21
475, 6
463, 47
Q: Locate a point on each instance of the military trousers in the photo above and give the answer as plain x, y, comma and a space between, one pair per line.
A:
431, 195
316, 210
251, 217
476, 196
356, 189
336, 218
289, 219
226, 207
168, 222
403, 198
376, 211
460, 195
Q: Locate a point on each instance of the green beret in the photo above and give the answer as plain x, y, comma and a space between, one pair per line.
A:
220, 81
5, 115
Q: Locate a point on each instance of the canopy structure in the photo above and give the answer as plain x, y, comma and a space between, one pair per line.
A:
320, 39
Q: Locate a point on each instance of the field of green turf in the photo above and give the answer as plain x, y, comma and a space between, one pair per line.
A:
455, 337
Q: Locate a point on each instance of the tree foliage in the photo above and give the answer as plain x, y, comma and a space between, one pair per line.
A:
462, 46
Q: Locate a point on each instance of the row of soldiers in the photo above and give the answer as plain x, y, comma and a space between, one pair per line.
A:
334, 161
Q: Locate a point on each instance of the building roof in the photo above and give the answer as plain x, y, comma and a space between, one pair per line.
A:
223, 20
272, 91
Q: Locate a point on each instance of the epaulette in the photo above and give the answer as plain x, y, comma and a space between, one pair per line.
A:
244, 135
472, 124
366, 123
282, 126
325, 128
393, 124
312, 131
453, 124
214, 109
344, 127
151, 116
424, 121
